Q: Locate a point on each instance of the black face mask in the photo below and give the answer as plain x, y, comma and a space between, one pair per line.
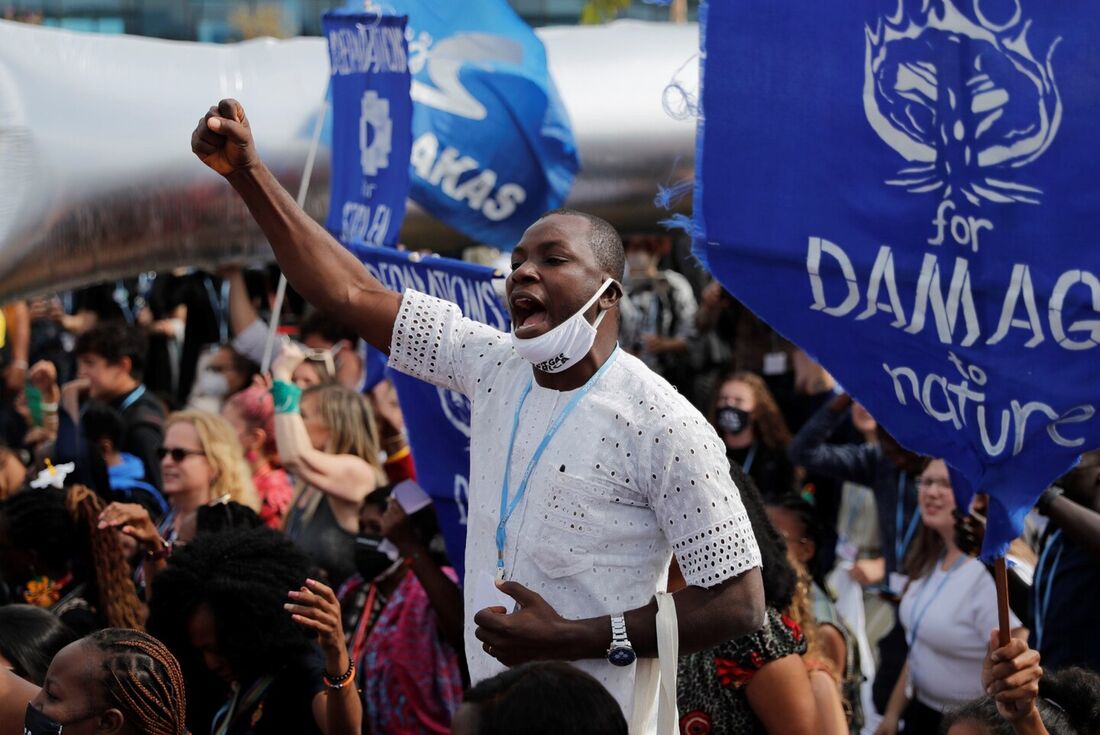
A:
36, 723
733, 420
369, 561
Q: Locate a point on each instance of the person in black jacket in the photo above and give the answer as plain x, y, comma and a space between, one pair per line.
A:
110, 358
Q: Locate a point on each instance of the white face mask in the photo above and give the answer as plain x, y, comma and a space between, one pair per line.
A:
566, 344
212, 384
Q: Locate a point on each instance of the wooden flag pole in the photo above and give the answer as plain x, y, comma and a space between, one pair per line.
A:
1000, 573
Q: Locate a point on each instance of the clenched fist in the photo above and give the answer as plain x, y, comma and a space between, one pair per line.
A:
223, 139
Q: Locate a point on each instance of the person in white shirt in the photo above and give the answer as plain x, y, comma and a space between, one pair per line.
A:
947, 611
591, 513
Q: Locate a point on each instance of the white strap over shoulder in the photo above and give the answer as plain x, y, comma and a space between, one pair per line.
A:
668, 654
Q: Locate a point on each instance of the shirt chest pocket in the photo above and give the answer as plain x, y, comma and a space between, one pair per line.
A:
583, 524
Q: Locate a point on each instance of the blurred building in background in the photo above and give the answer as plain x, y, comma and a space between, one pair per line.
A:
221, 21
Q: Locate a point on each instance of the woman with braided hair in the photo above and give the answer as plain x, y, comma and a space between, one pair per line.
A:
113, 681
54, 555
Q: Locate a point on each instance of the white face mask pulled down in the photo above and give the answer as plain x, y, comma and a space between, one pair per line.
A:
566, 344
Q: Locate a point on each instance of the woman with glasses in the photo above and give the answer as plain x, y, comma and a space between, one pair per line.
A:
947, 610
202, 465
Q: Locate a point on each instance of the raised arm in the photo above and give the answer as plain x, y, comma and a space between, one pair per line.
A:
318, 267
344, 476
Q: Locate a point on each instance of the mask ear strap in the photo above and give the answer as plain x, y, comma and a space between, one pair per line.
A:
595, 298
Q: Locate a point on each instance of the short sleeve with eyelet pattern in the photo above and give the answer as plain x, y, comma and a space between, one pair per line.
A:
434, 342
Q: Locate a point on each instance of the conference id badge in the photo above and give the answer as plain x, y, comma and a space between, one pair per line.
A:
775, 363
898, 582
846, 550
486, 594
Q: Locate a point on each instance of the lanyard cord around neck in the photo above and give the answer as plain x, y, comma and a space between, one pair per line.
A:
901, 543
232, 709
918, 615
507, 507
131, 399
1043, 589
750, 457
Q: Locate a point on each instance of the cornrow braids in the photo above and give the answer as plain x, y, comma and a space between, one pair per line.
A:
118, 601
143, 679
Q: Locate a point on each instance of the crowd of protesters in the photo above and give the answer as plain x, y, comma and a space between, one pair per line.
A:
188, 544
294, 584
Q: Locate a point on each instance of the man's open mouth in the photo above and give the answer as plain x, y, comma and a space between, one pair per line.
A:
528, 313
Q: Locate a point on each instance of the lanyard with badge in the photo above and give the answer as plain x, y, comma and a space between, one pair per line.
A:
507, 507
918, 612
1043, 586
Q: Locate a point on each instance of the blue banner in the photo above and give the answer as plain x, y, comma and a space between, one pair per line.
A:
438, 420
371, 126
492, 145
907, 189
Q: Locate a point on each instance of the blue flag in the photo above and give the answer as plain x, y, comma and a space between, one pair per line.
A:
438, 420
492, 145
907, 189
371, 127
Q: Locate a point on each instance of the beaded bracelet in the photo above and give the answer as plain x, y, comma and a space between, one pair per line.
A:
339, 682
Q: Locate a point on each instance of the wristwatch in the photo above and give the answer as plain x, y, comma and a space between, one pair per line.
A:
620, 653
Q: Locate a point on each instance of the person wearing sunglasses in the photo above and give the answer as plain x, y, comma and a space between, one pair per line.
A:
202, 464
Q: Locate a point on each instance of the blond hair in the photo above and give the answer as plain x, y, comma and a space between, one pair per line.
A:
222, 449
350, 422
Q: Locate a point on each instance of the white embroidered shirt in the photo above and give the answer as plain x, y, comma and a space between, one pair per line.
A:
634, 474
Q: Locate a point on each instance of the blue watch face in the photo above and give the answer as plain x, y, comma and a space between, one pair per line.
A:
621, 656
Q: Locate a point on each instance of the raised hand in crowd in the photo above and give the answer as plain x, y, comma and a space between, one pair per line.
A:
316, 608
1011, 674
43, 376
132, 520
287, 361
136, 525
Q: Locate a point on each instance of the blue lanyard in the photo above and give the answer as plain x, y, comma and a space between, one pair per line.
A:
1042, 596
918, 616
901, 543
747, 465
508, 507
132, 398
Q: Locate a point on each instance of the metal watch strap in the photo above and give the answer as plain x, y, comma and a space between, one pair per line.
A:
618, 631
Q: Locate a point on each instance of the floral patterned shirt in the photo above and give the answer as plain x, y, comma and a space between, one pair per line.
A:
711, 683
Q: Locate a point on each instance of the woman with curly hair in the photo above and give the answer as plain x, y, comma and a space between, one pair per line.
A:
54, 555
238, 605
115, 680
203, 466
756, 436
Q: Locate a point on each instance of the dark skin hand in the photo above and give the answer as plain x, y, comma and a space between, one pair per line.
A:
1011, 674
535, 632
